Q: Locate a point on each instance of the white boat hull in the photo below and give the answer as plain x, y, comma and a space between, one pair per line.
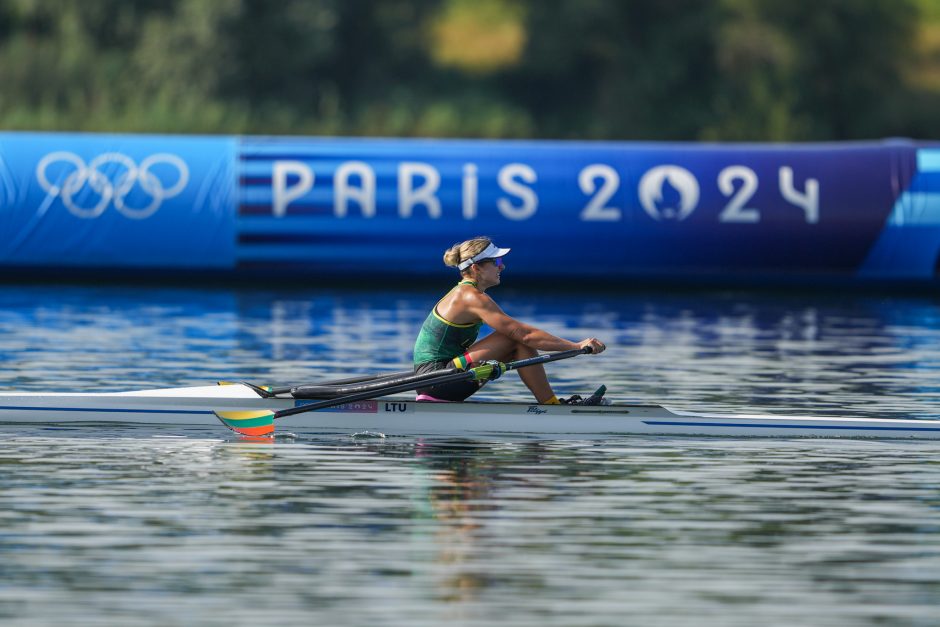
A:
194, 406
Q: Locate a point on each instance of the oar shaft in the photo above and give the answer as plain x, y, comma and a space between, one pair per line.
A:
319, 391
426, 380
368, 384
288, 389
338, 387
377, 391
548, 357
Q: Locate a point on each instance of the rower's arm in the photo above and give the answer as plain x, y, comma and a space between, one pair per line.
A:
533, 337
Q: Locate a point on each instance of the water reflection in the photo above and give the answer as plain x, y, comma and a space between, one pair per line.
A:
674, 531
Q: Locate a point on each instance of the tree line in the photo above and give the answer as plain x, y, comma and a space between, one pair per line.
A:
723, 70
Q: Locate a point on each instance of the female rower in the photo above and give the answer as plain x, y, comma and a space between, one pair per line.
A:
449, 334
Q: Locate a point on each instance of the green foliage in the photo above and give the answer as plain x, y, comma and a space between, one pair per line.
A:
751, 70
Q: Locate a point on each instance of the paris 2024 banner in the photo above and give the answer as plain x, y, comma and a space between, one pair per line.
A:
352, 207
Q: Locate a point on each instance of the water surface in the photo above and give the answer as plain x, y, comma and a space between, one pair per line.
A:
186, 526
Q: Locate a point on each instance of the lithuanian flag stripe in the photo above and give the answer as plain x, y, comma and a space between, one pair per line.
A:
251, 422
265, 430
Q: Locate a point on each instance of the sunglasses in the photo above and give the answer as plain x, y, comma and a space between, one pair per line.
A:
497, 261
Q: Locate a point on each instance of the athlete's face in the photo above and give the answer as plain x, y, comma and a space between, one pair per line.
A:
490, 269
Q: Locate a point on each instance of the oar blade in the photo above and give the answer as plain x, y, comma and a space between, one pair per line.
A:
248, 422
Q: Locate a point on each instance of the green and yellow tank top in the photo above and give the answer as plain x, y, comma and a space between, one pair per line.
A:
441, 339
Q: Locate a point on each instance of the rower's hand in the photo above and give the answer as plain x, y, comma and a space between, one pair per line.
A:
594, 344
490, 370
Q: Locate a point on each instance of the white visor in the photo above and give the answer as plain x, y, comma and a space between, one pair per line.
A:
489, 252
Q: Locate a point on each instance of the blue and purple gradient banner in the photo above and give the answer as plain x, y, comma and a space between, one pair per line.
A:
338, 208
577, 210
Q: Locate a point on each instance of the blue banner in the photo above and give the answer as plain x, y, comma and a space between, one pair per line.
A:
117, 201
578, 210
342, 208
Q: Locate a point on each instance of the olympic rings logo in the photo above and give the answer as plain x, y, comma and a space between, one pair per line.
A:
111, 184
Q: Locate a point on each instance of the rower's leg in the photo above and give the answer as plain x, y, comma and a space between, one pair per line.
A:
534, 377
501, 348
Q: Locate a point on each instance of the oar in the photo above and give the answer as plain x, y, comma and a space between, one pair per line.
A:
268, 391
261, 421
332, 391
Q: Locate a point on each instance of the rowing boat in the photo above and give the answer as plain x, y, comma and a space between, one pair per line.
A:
196, 406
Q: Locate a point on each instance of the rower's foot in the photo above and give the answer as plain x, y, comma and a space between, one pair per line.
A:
597, 398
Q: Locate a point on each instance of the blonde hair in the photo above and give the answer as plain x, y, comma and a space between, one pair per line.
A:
465, 250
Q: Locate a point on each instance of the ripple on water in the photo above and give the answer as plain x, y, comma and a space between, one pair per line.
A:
132, 526
669, 530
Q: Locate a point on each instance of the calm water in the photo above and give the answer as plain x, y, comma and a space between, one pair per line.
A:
177, 526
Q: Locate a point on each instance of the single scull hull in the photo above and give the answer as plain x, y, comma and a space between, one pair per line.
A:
195, 405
